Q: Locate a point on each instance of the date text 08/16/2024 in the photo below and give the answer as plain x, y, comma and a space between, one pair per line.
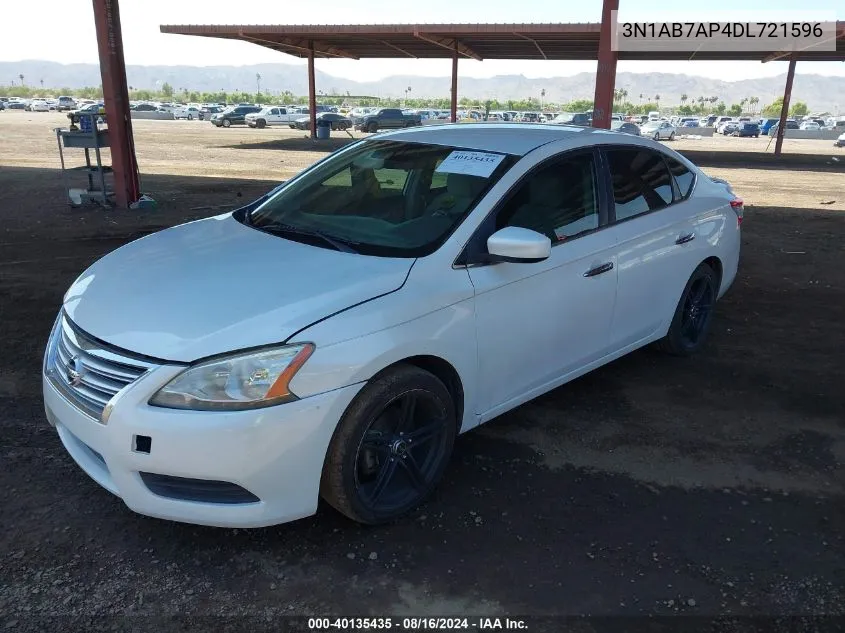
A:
416, 624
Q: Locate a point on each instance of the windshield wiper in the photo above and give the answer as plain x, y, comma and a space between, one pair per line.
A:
286, 229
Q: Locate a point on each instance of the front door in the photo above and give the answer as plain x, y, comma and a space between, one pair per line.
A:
539, 322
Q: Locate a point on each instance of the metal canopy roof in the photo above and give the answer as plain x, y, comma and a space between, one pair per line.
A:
474, 41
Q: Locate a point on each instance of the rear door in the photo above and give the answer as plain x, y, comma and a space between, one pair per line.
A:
658, 238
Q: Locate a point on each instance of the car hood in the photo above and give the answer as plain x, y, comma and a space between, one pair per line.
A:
215, 286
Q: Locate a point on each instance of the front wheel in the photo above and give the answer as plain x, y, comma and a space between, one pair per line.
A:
372, 128
391, 446
227, 123
190, 117
261, 123
693, 315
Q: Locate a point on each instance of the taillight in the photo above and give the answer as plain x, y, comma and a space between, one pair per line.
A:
739, 208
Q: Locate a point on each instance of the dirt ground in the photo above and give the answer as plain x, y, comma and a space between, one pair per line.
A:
710, 486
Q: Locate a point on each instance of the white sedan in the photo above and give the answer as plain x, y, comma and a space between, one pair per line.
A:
810, 125
39, 105
335, 336
658, 130
189, 112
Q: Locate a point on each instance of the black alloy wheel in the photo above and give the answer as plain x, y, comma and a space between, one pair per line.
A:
693, 315
391, 447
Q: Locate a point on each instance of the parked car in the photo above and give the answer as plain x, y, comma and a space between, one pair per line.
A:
351, 377
89, 108
658, 130
274, 115
38, 105
840, 141
16, 105
574, 118
692, 123
234, 115
791, 124
386, 118
336, 121
2, 105
747, 129
766, 124
728, 127
188, 112
809, 125
626, 127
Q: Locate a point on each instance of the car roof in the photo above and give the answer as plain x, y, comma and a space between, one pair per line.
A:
506, 138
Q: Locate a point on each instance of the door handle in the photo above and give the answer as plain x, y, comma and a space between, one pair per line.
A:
683, 239
598, 270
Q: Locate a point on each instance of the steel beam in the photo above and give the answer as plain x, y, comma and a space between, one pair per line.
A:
396, 48
312, 91
454, 104
448, 43
127, 189
784, 110
605, 69
534, 42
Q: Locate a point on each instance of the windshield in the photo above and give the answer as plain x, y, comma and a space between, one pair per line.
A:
385, 198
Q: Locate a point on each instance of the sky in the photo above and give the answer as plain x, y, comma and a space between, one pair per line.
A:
68, 36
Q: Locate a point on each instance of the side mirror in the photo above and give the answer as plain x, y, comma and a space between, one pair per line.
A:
518, 245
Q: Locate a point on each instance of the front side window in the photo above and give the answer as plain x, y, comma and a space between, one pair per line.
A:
641, 181
384, 198
559, 200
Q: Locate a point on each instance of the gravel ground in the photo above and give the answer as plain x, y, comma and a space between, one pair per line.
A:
654, 486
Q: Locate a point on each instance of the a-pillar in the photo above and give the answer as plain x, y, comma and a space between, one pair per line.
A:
606, 68
454, 105
116, 99
784, 110
312, 91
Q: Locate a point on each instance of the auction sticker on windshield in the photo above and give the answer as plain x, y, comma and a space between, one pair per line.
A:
470, 163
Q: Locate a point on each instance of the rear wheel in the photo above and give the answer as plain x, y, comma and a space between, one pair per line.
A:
656, 136
391, 446
693, 315
672, 136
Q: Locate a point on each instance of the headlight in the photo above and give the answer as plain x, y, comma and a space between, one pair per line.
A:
243, 381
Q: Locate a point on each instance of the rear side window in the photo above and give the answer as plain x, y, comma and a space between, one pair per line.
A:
641, 182
684, 178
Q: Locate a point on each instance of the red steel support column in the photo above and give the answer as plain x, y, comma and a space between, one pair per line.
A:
606, 69
116, 97
784, 111
312, 91
454, 106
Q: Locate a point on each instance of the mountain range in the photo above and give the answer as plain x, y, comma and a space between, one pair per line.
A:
818, 91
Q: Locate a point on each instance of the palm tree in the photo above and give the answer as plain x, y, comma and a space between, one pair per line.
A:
657, 100
258, 81
754, 101
684, 98
641, 97
21, 78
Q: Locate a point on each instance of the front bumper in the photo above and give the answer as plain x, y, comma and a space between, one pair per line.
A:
276, 453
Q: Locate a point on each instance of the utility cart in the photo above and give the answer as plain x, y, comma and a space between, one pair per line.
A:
91, 134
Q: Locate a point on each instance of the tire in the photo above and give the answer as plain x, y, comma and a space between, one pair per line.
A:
374, 473
372, 128
261, 124
227, 123
190, 117
690, 327
672, 136
656, 136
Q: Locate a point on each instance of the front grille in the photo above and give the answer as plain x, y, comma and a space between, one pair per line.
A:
86, 372
202, 490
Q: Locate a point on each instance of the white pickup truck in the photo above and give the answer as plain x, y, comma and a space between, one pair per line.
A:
274, 115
